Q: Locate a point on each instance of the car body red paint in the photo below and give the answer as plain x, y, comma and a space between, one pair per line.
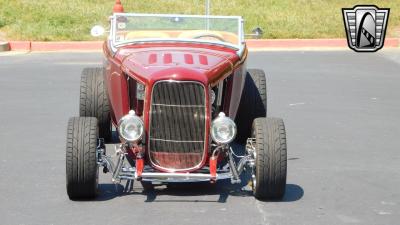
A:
178, 99
150, 63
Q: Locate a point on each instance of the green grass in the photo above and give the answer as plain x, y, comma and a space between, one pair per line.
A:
56, 20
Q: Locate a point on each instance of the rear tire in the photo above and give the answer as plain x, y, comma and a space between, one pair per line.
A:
94, 100
271, 158
81, 162
253, 103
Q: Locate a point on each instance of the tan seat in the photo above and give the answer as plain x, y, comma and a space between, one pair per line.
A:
189, 34
228, 37
146, 34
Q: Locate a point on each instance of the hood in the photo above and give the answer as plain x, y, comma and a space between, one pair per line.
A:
205, 65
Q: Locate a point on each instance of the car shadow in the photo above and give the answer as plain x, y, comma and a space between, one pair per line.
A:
293, 192
222, 189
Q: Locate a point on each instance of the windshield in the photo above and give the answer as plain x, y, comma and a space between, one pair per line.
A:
128, 28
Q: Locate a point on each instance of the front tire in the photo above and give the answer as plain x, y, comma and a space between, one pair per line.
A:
81, 163
271, 158
94, 100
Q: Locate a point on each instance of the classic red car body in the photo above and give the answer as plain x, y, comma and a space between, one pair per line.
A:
149, 63
178, 95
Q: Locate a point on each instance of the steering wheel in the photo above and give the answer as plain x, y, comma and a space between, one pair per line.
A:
210, 35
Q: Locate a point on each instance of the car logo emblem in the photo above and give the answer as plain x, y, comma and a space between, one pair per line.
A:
365, 27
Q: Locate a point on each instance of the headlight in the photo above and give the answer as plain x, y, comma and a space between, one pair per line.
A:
130, 127
223, 129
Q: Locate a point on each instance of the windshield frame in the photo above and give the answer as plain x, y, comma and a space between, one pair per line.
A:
238, 48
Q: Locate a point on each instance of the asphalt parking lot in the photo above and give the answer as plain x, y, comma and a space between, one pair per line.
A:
341, 111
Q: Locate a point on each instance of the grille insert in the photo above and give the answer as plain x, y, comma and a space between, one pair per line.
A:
177, 124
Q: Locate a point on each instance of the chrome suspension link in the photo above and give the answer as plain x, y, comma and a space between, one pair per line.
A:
103, 159
120, 151
251, 151
245, 160
232, 165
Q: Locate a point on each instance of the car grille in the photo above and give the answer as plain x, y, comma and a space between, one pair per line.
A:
177, 125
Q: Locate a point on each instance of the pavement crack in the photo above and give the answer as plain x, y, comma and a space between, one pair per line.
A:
262, 212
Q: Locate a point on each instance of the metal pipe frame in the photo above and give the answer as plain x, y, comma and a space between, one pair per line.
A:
120, 172
239, 47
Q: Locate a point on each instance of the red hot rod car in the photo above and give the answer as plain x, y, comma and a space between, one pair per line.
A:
178, 92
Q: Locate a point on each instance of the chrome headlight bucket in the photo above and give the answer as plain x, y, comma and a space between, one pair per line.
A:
131, 127
223, 129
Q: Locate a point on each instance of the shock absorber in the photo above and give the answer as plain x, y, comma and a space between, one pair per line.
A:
235, 176
121, 158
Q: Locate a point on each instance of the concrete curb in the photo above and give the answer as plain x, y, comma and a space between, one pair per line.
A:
309, 43
252, 44
67, 46
20, 45
4, 46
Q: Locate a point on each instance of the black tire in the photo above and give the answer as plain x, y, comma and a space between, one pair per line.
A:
271, 158
81, 163
147, 185
94, 100
253, 103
